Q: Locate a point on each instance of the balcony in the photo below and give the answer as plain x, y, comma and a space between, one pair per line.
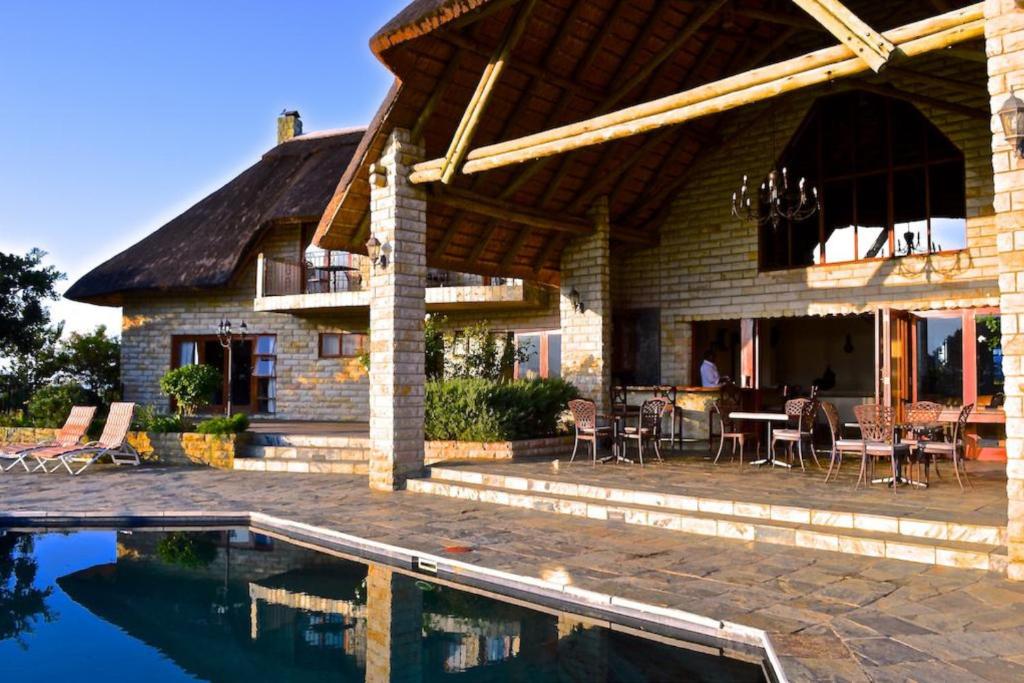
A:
338, 282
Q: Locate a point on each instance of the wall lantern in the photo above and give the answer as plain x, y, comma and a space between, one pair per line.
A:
1011, 115
575, 300
373, 250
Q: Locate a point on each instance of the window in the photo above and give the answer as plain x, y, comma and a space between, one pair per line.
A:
989, 358
265, 373
544, 350
883, 173
940, 358
342, 344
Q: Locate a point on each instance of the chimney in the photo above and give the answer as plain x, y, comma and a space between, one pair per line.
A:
289, 125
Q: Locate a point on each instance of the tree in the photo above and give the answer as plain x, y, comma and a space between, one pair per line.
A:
191, 386
93, 361
25, 286
22, 604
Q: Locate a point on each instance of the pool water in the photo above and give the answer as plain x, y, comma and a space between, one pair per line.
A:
234, 605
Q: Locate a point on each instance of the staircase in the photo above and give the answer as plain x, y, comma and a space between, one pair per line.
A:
305, 454
921, 540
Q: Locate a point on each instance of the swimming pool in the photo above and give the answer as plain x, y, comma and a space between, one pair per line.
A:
236, 605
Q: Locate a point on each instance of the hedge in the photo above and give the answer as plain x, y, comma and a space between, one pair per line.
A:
474, 409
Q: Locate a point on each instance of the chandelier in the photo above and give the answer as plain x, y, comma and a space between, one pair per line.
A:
777, 200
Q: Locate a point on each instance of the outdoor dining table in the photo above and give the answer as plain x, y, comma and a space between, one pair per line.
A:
768, 419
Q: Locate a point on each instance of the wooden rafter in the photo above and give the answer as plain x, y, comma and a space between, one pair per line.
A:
517, 246
481, 97
435, 97
780, 18
976, 56
482, 243
753, 86
646, 68
867, 43
507, 211
553, 243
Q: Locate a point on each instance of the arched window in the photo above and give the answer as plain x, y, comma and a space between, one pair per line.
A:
882, 171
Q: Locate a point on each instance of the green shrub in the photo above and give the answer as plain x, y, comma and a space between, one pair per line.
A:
51, 404
147, 419
191, 386
473, 409
236, 424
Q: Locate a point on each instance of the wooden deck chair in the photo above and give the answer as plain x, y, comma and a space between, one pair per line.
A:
69, 436
113, 443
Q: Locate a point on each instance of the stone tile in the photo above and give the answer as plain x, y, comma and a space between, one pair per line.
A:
884, 651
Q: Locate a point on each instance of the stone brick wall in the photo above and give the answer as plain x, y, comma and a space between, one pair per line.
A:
308, 388
587, 334
1004, 34
706, 266
551, 447
213, 450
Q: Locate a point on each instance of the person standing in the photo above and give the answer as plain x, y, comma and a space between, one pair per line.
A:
709, 376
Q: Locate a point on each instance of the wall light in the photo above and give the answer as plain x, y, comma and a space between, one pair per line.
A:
1011, 115
576, 300
373, 250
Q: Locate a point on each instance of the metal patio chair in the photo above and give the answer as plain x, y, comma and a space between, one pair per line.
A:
878, 429
113, 443
804, 410
952, 449
585, 417
731, 430
839, 444
647, 429
69, 436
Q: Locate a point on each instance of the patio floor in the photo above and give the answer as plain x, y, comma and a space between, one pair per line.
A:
830, 616
693, 474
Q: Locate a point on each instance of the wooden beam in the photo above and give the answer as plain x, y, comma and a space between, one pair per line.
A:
449, 234
481, 244
481, 97
517, 246
546, 275
553, 243
867, 43
889, 90
362, 231
954, 84
507, 211
756, 85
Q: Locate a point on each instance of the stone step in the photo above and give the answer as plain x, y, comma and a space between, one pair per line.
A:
837, 519
310, 441
302, 466
307, 453
855, 541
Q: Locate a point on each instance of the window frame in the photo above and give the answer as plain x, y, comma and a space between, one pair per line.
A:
815, 118
200, 340
341, 345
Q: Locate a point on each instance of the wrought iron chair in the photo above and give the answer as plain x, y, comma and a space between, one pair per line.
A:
878, 429
953, 449
585, 418
731, 430
648, 427
804, 410
839, 444
674, 412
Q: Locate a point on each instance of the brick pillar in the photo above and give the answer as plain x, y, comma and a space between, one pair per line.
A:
587, 334
398, 219
394, 627
1004, 34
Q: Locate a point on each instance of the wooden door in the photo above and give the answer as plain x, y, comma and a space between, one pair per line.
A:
893, 358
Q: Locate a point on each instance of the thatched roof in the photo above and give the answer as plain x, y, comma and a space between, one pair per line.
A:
574, 57
204, 247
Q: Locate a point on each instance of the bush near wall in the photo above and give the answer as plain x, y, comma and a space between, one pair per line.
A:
481, 410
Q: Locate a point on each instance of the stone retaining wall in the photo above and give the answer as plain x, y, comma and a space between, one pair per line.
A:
439, 451
215, 450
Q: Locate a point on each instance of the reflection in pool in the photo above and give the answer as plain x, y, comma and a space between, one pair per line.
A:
239, 606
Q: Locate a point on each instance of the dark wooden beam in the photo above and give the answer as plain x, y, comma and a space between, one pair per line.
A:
507, 211
889, 90
517, 246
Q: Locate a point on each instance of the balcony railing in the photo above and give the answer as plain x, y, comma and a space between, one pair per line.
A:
333, 272
318, 274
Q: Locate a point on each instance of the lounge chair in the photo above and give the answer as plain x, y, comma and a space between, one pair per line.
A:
69, 436
113, 443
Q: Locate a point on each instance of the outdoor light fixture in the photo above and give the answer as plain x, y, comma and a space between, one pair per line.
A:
575, 300
373, 250
226, 336
1011, 115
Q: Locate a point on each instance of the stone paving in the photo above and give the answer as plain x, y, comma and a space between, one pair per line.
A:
830, 616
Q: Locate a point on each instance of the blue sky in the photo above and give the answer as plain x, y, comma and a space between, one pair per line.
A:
119, 114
